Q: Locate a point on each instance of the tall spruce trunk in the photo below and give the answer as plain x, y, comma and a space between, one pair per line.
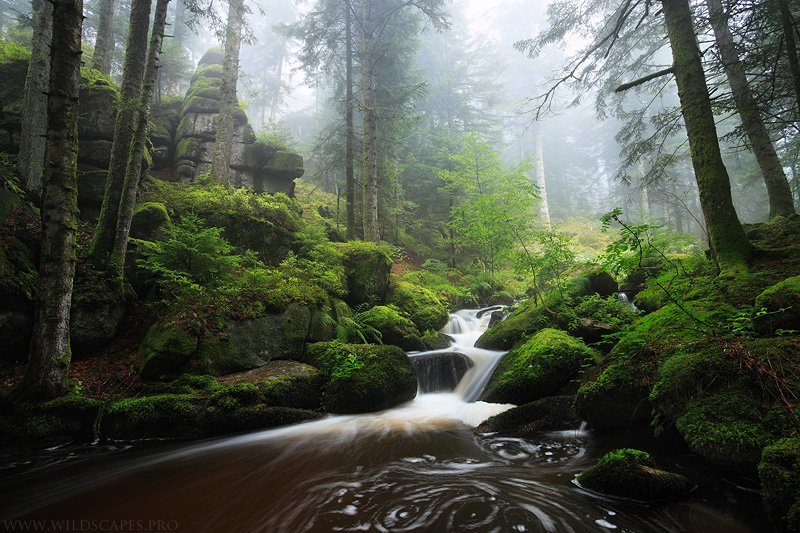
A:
368, 87
49, 357
103, 46
102, 242
781, 202
791, 45
34, 102
729, 243
223, 146
350, 141
133, 172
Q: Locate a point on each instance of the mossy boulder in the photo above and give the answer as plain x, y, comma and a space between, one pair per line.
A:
554, 413
364, 378
614, 397
393, 327
252, 343
270, 241
94, 322
368, 269
285, 165
165, 349
603, 283
67, 419
727, 428
98, 109
150, 222
91, 187
782, 305
538, 368
633, 474
166, 416
533, 315
779, 471
420, 304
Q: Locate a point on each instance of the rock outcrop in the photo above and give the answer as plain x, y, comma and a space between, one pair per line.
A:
254, 165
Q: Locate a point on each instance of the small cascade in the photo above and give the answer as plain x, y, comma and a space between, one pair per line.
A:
438, 372
622, 297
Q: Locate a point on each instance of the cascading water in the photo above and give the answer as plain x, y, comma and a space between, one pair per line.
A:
416, 468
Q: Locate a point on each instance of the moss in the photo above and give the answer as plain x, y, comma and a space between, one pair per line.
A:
200, 104
633, 474
554, 413
299, 391
367, 268
160, 416
210, 71
615, 397
164, 350
250, 418
364, 378
149, 222
193, 384
779, 471
213, 56
233, 397
538, 368
725, 427
285, 165
393, 328
532, 316
778, 307
420, 304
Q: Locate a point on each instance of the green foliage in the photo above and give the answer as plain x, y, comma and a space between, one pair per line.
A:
779, 472
194, 257
10, 51
278, 137
205, 195
594, 307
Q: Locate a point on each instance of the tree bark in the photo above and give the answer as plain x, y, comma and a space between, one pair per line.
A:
132, 79
791, 46
368, 87
49, 358
103, 45
781, 202
541, 184
133, 172
34, 119
228, 102
350, 141
729, 243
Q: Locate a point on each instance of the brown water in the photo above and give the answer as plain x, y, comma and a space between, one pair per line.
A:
415, 468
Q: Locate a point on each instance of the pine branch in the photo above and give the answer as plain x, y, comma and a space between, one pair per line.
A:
640, 81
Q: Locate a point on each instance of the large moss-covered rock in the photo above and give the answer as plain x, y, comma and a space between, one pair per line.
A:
531, 316
614, 397
364, 378
271, 242
554, 413
782, 305
251, 343
538, 368
368, 269
170, 416
94, 322
165, 349
420, 304
150, 222
98, 109
633, 474
779, 471
285, 165
393, 328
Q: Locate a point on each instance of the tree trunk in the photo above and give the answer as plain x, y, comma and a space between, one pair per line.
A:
134, 169
132, 78
368, 87
791, 46
350, 141
228, 103
778, 191
102, 47
276, 96
728, 240
49, 358
544, 209
34, 119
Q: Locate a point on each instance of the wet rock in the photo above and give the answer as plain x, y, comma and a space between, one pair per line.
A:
554, 413
440, 371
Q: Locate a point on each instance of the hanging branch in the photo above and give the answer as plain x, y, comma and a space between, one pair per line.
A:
640, 81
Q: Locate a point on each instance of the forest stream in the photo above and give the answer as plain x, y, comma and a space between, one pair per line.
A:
418, 467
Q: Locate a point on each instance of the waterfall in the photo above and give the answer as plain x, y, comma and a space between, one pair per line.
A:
622, 297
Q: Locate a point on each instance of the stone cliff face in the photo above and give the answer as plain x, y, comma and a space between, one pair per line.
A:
254, 165
182, 135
